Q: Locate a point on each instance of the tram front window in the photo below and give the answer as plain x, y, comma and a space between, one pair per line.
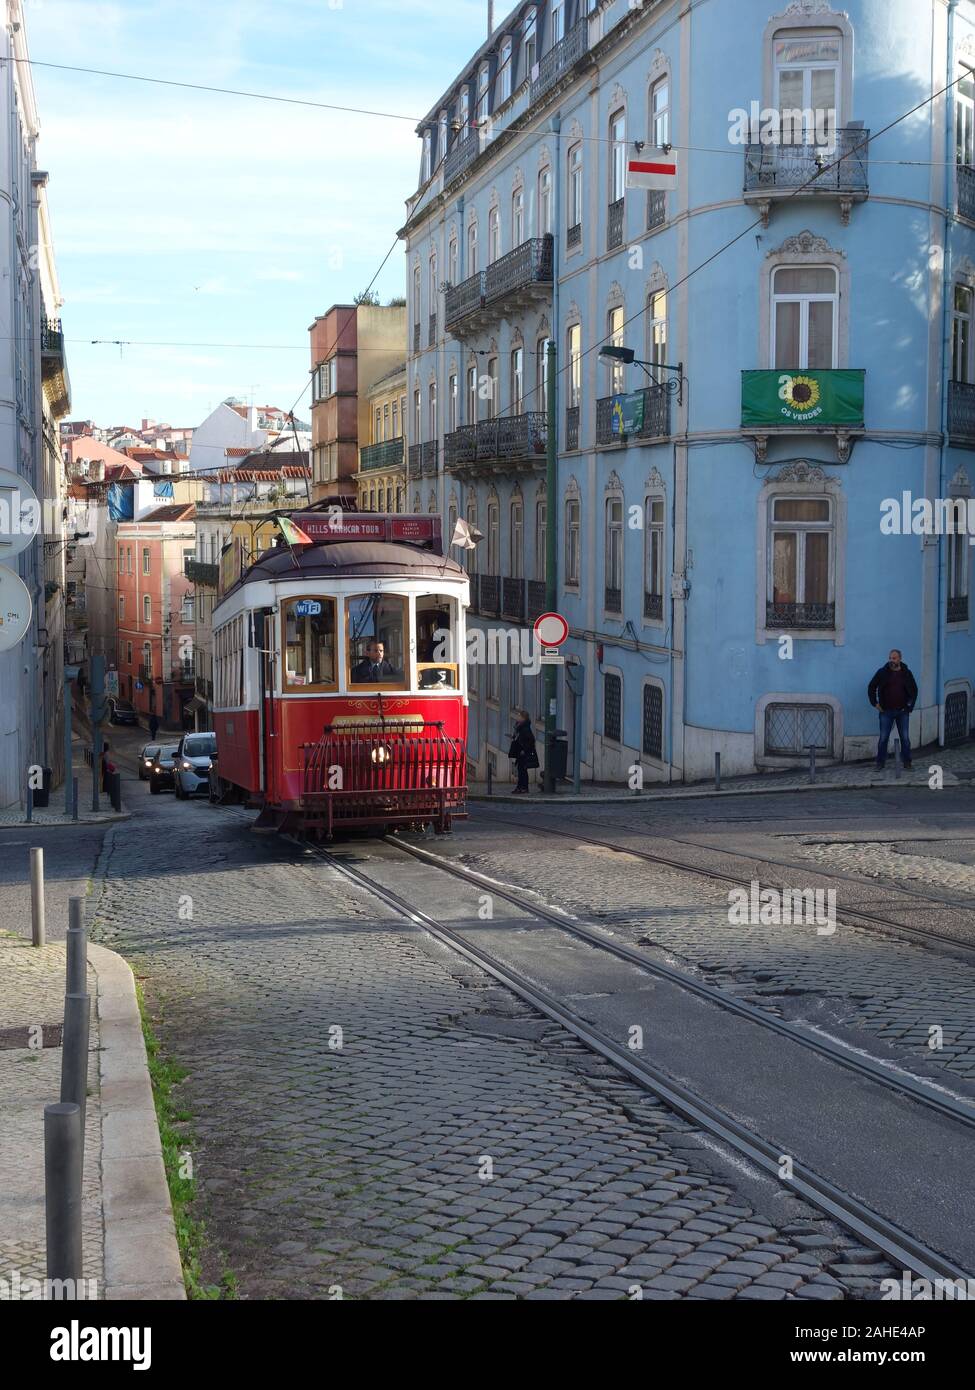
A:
309, 643
377, 636
436, 642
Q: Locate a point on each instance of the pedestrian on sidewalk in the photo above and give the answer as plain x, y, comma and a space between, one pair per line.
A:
153, 724
893, 691
522, 750
107, 768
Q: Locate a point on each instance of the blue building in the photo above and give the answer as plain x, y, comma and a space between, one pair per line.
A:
800, 311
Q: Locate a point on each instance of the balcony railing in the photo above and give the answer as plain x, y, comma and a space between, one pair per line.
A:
528, 264
428, 458
519, 600
199, 572
656, 208
613, 599
509, 441
965, 175
838, 170
961, 414
559, 59
184, 671
432, 331
614, 232
414, 463
572, 427
653, 605
800, 615
461, 155
387, 454
463, 300
656, 417
958, 609
573, 236
416, 337
52, 338
145, 673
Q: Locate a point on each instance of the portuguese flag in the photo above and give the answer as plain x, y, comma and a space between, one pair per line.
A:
293, 533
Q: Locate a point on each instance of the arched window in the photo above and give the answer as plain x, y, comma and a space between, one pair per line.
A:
613, 589
572, 534
653, 569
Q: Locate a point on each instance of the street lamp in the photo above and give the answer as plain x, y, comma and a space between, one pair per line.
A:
673, 387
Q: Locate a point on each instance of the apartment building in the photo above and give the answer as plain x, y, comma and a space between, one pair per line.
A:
382, 461
155, 611
792, 322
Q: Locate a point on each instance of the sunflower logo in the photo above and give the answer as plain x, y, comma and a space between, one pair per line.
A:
802, 393
618, 417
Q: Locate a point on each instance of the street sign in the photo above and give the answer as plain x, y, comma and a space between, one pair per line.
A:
111, 682
551, 657
20, 514
139, 685
15, 609
658, 171
551, 629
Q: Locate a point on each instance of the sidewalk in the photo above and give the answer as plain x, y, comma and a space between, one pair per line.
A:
957, 765
54, 813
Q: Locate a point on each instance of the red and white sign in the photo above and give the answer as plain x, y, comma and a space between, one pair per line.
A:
654, 171
337, 525
551, 629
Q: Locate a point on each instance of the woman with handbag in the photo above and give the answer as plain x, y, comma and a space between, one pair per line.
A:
522, 751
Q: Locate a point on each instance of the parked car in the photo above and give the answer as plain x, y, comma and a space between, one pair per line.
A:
146, 759
121, 711
162, 772
193, 759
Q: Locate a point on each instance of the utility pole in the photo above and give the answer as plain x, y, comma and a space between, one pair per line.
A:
551, 556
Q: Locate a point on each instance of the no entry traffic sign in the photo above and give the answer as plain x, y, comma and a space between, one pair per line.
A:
551, 629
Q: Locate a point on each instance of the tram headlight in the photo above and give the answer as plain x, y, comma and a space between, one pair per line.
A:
380, 754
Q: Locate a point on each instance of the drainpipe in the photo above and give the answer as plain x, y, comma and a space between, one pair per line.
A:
946, 367
552, 469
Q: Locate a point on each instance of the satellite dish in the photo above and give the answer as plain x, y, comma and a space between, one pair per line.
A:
15, 609
20, 514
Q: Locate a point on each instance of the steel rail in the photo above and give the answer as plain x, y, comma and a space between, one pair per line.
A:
899, 1246
954, 1107
919, 934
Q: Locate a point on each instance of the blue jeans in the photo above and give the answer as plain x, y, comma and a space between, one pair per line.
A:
888, 718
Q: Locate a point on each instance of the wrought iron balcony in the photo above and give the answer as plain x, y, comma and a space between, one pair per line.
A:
428, 458
513, 599
613, 599
958, 608
414, 464
199, 572
145, 672
656, 417
387, 454
559, 59
535, 603
961, 414
184, 671
614, 232
527, 266
54, 371
653, 605
519, 600
508, 443
52, 338
463, 301
780, 170
656, 208
573, 236
965, 175
432, 331
572, 427
489, 595
800, 615
463, 153
416, 337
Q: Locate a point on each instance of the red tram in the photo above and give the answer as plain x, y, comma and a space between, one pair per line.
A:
340, 685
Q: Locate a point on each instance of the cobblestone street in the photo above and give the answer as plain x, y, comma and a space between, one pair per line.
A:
455, 1145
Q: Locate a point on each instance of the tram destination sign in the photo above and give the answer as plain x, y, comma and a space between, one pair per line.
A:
338, 525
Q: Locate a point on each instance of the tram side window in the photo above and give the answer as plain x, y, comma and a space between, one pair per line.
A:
436, 642
377, 633
309, 643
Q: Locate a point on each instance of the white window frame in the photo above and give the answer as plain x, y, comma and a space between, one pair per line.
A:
615, 370
617, 161
517, 217
545, 200
572, 508
807, 67
614, 551
517, 380
801, 529
965, 116
804, 300
516, 538
574, 189
659, 111
494, 234
505, 74
962, 324
657, 326
654, 569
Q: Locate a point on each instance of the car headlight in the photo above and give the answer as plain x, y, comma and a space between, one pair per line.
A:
187, 767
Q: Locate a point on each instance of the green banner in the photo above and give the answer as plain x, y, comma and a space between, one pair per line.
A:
802, 398
627, 413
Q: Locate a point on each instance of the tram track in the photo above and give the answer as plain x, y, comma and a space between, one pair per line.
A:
852, 916
897, 1244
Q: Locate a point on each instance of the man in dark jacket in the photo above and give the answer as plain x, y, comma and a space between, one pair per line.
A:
522, 751
374, 666
893, 691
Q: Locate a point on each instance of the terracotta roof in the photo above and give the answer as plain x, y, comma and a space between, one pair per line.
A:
238, 452
182, 511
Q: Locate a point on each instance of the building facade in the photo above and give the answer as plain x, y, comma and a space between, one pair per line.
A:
382, 461
353, 346
155, 611
798, 308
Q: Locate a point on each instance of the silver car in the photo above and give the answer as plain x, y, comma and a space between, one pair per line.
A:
193, 764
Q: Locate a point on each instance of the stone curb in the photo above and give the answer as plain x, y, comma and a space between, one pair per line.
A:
141, 1253
66, 823
691, 794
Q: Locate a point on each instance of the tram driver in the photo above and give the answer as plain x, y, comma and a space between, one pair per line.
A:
374, 666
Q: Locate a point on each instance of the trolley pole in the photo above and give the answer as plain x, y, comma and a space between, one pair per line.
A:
551, 554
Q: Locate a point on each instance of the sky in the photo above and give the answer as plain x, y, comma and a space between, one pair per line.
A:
185, 218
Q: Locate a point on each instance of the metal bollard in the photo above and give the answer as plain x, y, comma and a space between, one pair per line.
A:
37, 897
74, 798
76, 979
717, 772
63, 1153
30, 803
115, 789
74, 1053
812, 762
490, 790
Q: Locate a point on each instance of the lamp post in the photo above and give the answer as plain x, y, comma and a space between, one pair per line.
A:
674, 387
